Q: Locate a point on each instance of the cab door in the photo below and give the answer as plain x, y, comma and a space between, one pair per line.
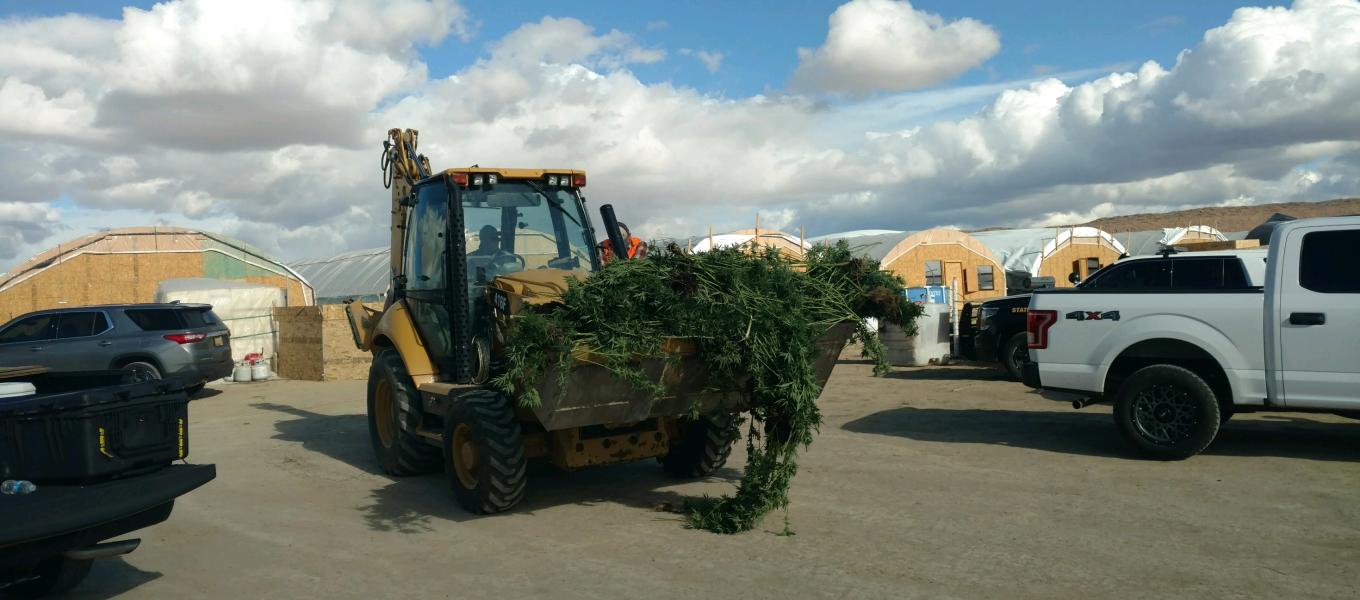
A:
433, 287
1318, 314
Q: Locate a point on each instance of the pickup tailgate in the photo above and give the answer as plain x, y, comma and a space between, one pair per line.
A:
1091, 329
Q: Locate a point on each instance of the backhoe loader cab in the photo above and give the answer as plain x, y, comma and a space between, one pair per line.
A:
471, 248
469, 227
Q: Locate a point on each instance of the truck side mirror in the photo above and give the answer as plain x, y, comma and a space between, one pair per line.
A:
1074, 278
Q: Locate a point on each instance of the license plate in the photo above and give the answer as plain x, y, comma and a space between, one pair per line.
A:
217, 342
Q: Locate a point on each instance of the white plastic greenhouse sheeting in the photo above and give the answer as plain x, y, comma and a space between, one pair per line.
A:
1017, 249
359, 274
247, 309
1023, 249
729, 240
874, 245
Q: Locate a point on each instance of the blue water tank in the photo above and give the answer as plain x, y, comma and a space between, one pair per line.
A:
931, 294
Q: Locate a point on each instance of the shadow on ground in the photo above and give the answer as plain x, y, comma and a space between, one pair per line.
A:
959, 373
409, 504
1094, 433
205, 393
112, 577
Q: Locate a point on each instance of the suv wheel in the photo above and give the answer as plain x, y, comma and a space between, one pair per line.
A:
143, 371
1167, 412
1014, 355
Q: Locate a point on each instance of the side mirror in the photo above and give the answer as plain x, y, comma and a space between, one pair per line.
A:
1074, 278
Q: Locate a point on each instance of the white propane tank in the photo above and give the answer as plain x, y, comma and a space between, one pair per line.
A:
259, 371
241, 373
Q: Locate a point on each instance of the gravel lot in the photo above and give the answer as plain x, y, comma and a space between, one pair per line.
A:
935, 482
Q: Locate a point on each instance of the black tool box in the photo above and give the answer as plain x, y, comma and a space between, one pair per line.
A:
96, 434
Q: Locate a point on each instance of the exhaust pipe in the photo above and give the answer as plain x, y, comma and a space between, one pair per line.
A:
106, 550
1085, 402
617, 244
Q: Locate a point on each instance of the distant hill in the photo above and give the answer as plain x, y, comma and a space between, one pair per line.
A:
1228, 218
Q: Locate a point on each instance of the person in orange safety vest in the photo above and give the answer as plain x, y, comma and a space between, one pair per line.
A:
636, 247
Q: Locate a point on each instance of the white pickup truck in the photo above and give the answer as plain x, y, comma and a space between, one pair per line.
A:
1178, 359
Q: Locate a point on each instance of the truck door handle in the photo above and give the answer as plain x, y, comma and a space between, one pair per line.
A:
1307, 318
35, 348
105, 343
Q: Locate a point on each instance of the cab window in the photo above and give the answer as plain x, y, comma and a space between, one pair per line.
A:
1328, 263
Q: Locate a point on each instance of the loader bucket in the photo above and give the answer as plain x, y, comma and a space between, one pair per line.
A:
594, 396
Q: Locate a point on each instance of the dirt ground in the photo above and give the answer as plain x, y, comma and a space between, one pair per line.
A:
934, 482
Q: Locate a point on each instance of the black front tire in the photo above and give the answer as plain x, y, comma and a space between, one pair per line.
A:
54, 576
394, 416
484, 453
703, 447
1167, 412
1014, 356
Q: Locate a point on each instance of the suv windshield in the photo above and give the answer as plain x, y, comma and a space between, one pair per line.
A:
546, 226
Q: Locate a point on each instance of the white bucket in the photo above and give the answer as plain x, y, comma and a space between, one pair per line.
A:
259, 371
241, 373
16, 389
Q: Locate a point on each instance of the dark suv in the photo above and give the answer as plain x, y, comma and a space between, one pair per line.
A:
184, 341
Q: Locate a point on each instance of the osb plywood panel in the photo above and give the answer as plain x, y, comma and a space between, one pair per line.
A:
911, 267
298, 354
89, 279
342, 359
1198, 246
1058, 265
315, 344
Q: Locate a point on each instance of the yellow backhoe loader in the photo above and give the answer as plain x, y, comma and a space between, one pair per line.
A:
471, 248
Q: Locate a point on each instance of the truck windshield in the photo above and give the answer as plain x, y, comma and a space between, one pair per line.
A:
514, 226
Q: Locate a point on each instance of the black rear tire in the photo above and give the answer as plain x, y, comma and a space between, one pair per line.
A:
142, 371
394, 416
1015, 355
484, 453
54, 576
703, 447
1167, 412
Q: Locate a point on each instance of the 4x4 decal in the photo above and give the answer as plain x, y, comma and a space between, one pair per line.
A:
1093, 315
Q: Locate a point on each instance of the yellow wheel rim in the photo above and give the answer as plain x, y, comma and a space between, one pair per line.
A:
464, 455
384, 413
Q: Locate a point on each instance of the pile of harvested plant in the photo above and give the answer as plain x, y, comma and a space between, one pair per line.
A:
753, 314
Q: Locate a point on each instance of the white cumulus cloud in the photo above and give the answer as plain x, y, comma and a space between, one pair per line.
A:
888, 45
185, 114
24, 224
712, 59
